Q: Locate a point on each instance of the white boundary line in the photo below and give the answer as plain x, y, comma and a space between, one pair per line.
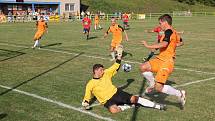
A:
65, 52
181, 85
194, 82
58, 103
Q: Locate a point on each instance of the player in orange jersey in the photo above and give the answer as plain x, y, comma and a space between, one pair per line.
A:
117, 31
96, 22
163, 64
42, 27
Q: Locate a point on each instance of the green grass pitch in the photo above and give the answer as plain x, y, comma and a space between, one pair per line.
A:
50, 82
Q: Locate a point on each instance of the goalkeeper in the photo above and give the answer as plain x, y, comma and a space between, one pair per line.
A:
114, 99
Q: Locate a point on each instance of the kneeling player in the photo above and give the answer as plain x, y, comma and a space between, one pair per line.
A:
107, 94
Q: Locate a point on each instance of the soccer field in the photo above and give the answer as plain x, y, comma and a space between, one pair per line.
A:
48, 84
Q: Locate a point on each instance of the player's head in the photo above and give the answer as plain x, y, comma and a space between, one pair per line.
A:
165, 20
41, 17
98, 70
113, 21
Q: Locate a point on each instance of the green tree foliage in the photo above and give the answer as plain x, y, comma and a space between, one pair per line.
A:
193, 2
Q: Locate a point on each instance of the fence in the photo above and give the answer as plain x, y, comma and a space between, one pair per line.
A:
30, 18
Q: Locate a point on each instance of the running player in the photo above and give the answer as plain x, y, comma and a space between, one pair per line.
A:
125, 19
117, 31
42, 27
86, 22
163, 64
96, 22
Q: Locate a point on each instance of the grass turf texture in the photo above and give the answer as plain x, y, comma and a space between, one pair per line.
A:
62, 77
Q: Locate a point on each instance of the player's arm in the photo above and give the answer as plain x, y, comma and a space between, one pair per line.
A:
36, 25
180, 43
126, 36
106, 33
46, 26
162, 44
88, 95
115, 67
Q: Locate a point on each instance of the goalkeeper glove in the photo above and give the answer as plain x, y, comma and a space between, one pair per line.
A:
85, 104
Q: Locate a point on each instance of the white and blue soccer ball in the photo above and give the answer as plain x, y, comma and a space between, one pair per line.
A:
126, 67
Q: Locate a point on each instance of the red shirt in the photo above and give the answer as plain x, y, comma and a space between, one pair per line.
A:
125, 18
159, 31
86, 22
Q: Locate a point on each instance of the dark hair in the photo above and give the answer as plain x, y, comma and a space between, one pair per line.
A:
167, 18
96, 66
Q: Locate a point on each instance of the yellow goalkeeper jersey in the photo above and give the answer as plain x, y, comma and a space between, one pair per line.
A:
102, 88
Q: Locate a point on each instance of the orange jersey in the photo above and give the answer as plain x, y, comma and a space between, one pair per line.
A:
117, 32
167, 53
96, 18
41, 25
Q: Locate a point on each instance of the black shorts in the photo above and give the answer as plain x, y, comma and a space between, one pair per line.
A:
125, 23
119, 98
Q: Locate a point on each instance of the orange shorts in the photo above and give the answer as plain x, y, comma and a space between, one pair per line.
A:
38, 35
162, 68
96, 23
115, 43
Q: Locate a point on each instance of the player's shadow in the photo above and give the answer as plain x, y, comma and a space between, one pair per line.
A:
40, 74
3, 115
94, 37
135, 110
129, 81
49, 45
126, 54
11, 52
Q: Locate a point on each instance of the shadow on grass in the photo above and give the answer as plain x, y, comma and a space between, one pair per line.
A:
90, 38
135, 110
25, 82
129, 81
11, 52
3, 115
126, 53
49, 45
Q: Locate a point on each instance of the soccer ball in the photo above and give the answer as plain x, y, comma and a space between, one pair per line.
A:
126, 67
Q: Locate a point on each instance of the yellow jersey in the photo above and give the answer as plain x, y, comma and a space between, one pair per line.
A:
102, 88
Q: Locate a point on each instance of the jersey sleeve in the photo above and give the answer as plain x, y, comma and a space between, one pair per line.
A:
121, 27
108, 30
167, 35
88, 92
155, 29
114, 68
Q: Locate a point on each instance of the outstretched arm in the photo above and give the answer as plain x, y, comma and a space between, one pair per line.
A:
88, 95
126, 35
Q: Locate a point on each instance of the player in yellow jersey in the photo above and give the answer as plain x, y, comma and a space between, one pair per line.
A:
110, 96
97, 22
42, 27
117, 31
163, 64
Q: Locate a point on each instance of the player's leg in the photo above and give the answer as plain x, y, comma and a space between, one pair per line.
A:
112, 50
114, 109
36, 39
95, 26
160, 86
147, 103
146, 70
88, 33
